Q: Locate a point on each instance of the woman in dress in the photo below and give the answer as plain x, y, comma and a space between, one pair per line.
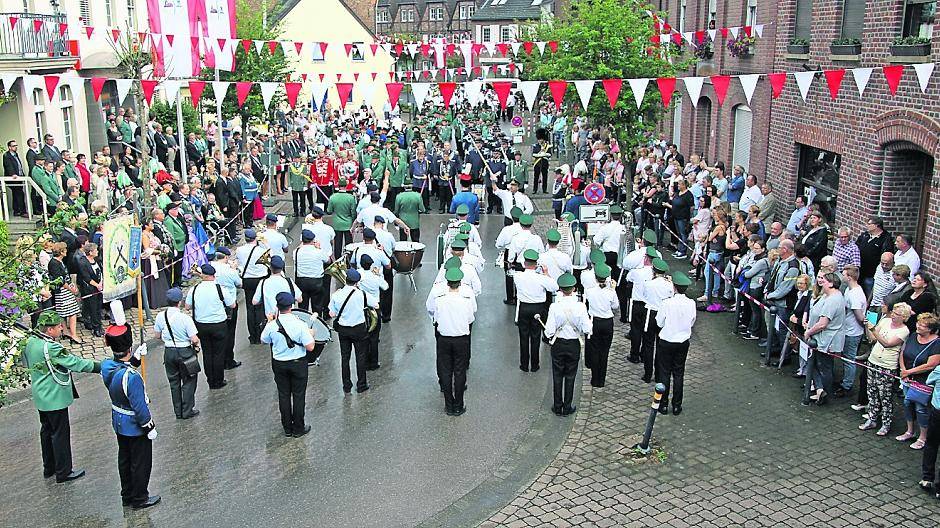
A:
64, 292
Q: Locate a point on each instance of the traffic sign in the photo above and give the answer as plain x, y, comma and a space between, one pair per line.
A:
517, 121
594, 193
594, 213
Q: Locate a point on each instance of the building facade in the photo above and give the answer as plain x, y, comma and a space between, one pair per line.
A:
424, 19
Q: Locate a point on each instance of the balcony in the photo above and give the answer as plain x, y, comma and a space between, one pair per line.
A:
22, 47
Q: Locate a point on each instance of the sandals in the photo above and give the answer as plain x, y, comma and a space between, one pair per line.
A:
883, 431
919, 444
868, 425
904, 437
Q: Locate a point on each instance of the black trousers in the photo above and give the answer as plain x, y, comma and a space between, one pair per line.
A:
339, 243
453, 357
415, 235
392, 193
300, 200
19, 199
346, 346
135, 461
254, 315
670, 370
56, 442
624, 291
291, 380
507, 221
176, 277
182, 387
929, 463
231, 224
637, 320
247, 214
597, 349
610, 258
445, 193
385, 296
91, 308
372, 358
648, 350
314, 298
540, 174
530, 334
212, 338
565, 356
231, 326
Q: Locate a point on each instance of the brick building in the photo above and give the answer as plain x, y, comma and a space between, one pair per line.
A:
425, 18
875, 154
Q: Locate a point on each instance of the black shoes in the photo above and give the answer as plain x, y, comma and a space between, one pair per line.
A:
360, 390
535, 368
664, 409
305, 430
74, 475
523, 369
569, 410
152, 500
633, 360
233, 365
676, 410
377, 366
508, 302
220, 385
646, 379
193, 414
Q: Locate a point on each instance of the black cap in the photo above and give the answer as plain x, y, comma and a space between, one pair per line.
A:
368, 234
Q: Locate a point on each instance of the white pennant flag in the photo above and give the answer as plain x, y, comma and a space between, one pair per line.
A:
318, 92
366, 91
734, 31
712, 33
387, 48
267, 92
123, 88
259, 46
171, 90
220, 88
519, 67
515, 48
530, 90
585, 89
412, 49
490, 48
748, 84
803, 80
439, 55
541, 47
688, 36
473, 89
638, 86
861, 76
466, 48
693, 86
420, 91
923, 71
8, 79
759, 30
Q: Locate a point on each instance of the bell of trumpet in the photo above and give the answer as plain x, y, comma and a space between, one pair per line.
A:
195, 270
265, 258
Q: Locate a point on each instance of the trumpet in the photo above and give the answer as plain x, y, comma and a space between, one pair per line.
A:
264, 258
195, 270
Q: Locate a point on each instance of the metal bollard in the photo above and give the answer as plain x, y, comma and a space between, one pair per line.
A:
644, 446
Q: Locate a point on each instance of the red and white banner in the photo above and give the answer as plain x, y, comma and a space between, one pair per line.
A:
190, 28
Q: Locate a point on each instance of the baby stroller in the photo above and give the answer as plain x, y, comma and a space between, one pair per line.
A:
218, 236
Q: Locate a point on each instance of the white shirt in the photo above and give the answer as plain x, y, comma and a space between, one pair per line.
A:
854, 300
555, 263
506, 234
470, 277
387, 240
266, 293
567, 318
471, 257
250, 270
439, 289
367, 216
910, 258
608, 236
353, 313
275, 240
514, 199
207, 306
183, 326
372, 284
601, 302
524, 240
751, 196
675, 318
533, 287
455, 320
309, 261
379, 257
323, 233
640, 277
657, 291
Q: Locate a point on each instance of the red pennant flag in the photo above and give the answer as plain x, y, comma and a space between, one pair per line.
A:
394, 91
89, 30
51, 82
303, 77
292, 89
399, 49
450, 49
426, 50
724, 32
442, 72
893, 76
221, 42
148, 86
246, 45
503, 48
476, 49
834, 80
666, 85
323, 46
13, 20
322, 75
348, 48
97, 83
553, 45
654, 39
374, 74
699, 37
511, 67
721, 83
339, 77
612, 88
195, 91
528, 46
355, 76
343, 89
391, 76
558, 91
666, 27
63, 27
426, 74
677, 38
447, 91
169, 39
747, 30
502, 91
115, 34
777, 80
72, 46
477, 70
374, 48
272, 46
142, 37
37, 25
242, 88
298, 46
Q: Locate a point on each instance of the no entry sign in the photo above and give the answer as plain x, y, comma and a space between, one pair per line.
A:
594, 193
517, 121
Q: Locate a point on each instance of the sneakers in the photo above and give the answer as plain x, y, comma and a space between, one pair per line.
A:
750, 337
883, 431
869, 424
703, 298
858, 407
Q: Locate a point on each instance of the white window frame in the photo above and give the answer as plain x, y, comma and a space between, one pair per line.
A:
66, 103
750, 15
108, 13
485, 34
466, 11
39, 113
436, 14
84, 11
381, 16
506, 34
132, 14
407, 15
682, 6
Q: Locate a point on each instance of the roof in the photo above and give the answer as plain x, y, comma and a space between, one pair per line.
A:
285, 7
420, 5
511, 10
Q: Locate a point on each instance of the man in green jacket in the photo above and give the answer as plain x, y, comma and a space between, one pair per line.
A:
396, 170
377, 166
43, 177
179, 236
342, 205
518, 170
50, 367
408, 207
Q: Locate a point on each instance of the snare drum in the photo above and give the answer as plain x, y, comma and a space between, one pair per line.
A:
408, 256
320, 332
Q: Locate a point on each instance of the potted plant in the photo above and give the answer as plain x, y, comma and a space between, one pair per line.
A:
740, 46
798, 46
704, 51
846, 46
911, 47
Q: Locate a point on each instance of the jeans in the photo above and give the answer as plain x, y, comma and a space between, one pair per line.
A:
929, 464
849, 351
920, 411
682, 227
712, 278
819, 370
867, 284
776, 335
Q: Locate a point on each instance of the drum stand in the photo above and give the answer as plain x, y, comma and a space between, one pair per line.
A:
411, 276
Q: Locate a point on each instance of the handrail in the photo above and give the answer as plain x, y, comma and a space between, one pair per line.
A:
29, 186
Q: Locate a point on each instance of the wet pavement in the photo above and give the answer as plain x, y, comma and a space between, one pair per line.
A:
388, 457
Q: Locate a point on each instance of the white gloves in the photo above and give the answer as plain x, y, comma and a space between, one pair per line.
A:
141, 351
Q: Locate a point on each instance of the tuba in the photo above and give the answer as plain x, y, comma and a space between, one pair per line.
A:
337, 270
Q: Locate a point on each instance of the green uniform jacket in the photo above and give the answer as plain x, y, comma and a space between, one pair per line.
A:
295, 177
408, 206
342, 206
48, 394
47, 183
70, 172
397, 174
378, 171
127, 135
176, 232
519, 170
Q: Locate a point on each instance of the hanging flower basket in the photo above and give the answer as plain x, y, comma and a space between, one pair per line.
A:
741, 45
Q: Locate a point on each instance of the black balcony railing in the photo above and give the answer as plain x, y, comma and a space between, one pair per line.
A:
23, 41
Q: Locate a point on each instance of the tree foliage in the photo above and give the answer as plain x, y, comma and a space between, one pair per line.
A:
165, 114
604, 39
255, 67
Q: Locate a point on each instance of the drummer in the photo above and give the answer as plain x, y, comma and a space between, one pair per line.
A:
502, 245
385, 241
272, 238
266, 294
369, 247
322, 231
367, 215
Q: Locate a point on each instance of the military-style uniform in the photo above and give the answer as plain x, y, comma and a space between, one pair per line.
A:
602, 302
290, 340
656, 291
408, 207
565, 325
453, 312
675, 319
251, 273
533, 291
342, 206
179, 237
518, 170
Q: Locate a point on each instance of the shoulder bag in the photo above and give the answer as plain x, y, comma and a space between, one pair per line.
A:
916, 391
188, 366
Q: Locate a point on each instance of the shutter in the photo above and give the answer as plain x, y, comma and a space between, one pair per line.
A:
742, 137
853, 18
677, 126
804, 18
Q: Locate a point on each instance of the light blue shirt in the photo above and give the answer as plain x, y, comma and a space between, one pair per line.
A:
379, 258
372, 285
934, 381
250, 269
323, 233
227, 278
387, 240
204, 300
353, 312
309, 261
795, 218
275, 240
266, 294
294, 328
182, 325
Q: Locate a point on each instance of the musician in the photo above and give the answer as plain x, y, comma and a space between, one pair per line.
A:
518, 170
638, 277
376, 208
452, 312
510, 198
560, 188
541, 153
372, 283
553, 261
609, 238
342, 206
347, 306
210, 301
496, 171
633, 259
408, 207
601, 300
180, 338
675, 318
523, 240
655, 291
266, 294
386, 242
502, 245
447, 168
274, 239
290, 341
473, 236
533, 290
228, 278
471, 255
322, 231
466, 201
251, 273
420, 170
566, 323
310, 258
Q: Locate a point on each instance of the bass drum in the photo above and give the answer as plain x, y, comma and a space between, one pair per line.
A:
408, 256
320, 332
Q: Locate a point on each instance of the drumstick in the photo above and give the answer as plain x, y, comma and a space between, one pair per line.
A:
538, 317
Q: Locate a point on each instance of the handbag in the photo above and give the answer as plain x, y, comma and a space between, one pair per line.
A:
188, 366
918, 392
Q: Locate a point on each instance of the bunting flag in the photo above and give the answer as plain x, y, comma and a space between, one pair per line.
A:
242, 89
220, 90
246, 45
777, 80
804, 79
553, 45
37, 25
666, 85
171, 90
693, 87
923, 71
147, 86
90, 29
13, 19
267, 92
584, 89
272, 46
97, 84
420, 92
63, 27
612, 88
291, 89
720, 83
527, 46
893, 77
323, 46
299, 47
447, 91
7, 79
502, 89
861, 76
834, 81
394, 92
123, 88
115, 34
638, 87
259, 46
558, 92
473, 91
51, 82
195, 91
530, 90
748, 84
541, 47
318, 91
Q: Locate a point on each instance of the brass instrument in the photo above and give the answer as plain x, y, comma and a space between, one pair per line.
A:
264, 258
195, 270
337, 269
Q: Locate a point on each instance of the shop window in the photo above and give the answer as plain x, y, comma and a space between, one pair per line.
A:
818, 179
